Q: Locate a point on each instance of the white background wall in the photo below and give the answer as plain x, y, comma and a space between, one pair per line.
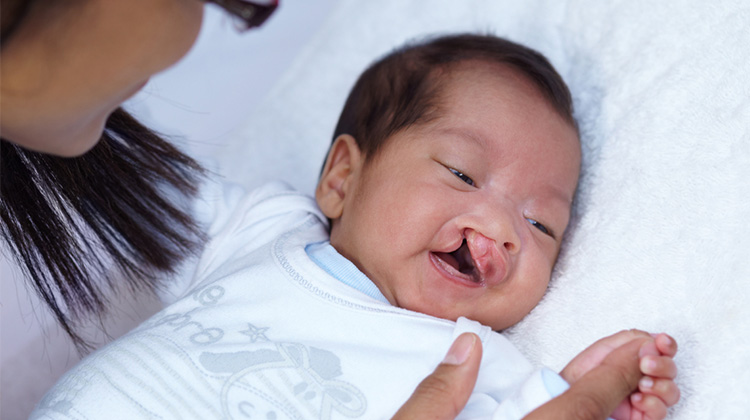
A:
197, 102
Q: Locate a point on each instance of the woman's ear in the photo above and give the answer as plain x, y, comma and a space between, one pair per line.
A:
341, 169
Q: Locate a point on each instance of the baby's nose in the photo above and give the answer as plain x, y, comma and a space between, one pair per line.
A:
482, 250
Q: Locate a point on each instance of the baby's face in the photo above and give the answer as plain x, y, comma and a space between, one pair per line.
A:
463, 215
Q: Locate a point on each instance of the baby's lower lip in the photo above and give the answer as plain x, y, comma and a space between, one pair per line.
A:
449, 272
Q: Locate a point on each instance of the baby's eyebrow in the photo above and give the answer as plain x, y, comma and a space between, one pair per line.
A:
561, 196
467, 134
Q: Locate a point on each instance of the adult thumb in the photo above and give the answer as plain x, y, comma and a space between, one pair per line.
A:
443, 394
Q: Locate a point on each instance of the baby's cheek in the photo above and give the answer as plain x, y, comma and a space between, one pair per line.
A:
535, 285
539, 275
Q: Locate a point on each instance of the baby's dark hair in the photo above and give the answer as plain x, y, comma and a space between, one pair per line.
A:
403, 87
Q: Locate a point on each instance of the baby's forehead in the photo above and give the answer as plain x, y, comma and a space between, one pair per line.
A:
449, 82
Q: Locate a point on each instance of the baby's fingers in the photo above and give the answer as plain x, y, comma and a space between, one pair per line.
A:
666, 345
658, 366
653, 408
664, 389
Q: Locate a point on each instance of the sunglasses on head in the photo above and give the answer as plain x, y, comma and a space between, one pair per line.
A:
249, 14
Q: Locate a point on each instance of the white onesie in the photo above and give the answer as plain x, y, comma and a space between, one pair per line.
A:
262, 331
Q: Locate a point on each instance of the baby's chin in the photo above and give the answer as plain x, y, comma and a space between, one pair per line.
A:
497, 324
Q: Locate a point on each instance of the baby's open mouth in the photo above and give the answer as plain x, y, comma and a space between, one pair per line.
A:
460, 260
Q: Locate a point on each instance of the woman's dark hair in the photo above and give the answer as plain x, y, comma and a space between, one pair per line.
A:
77, 225
12, 13
82, 228
402, 88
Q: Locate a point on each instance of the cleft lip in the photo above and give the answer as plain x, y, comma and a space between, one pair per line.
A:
444, 263
475, 261
465, 262
489, 261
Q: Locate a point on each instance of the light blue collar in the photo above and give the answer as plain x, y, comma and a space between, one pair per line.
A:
335, 264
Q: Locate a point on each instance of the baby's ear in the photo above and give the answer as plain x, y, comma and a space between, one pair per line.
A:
341, 168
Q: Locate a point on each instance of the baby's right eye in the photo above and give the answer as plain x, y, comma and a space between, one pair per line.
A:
541, 227
465, 178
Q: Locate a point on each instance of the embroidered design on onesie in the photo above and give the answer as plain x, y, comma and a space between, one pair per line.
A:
283, 381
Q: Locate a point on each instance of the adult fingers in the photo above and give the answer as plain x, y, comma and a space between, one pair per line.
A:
593, 355
443, 394
621, 337
596, 394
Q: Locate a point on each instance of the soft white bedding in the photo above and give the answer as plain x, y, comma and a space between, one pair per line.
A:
661, 237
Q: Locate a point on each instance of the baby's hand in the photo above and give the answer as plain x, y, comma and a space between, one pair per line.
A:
656, 390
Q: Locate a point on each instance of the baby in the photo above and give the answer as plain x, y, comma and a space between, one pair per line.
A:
450, 180
445, 195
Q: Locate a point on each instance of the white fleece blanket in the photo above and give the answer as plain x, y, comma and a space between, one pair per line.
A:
661, 235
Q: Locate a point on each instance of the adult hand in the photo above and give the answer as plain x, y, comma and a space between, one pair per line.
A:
596, 394
443, 394
657, 392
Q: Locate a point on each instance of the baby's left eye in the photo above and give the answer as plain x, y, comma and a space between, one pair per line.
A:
465, 178
540, 227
